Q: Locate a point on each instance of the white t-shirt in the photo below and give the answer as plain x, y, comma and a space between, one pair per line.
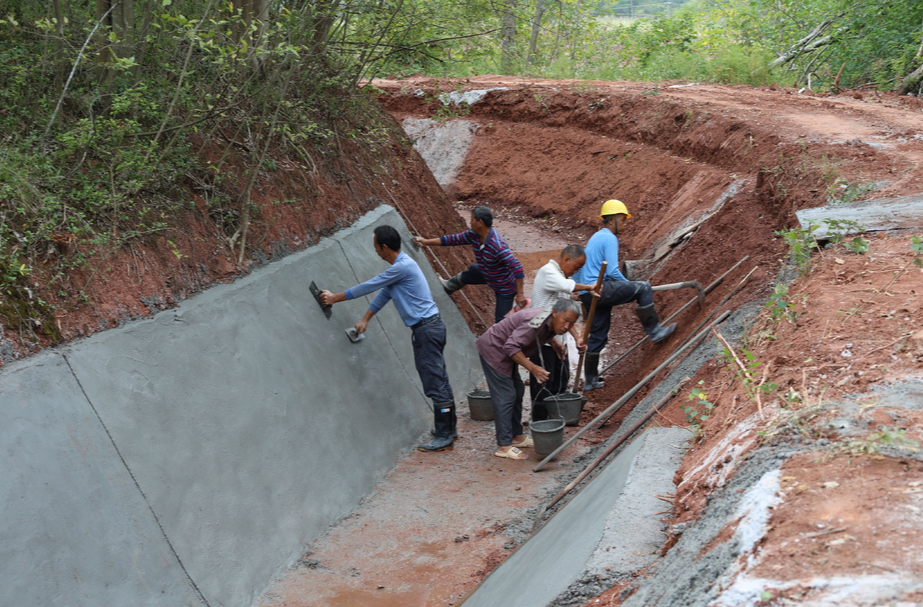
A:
550, 284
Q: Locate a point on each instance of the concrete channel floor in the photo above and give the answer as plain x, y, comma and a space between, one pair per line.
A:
609, 528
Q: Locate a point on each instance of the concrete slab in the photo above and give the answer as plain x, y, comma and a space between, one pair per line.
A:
75, 528
905, 212
573, 543
443, 146
249, 421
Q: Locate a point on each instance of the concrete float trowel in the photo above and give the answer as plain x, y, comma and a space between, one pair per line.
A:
328, 312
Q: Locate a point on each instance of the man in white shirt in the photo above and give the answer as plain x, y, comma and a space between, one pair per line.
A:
551, 283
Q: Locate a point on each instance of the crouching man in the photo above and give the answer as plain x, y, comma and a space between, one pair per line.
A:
404, 283
503, 349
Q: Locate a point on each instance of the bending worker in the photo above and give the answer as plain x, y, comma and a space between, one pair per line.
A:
508, 345
405, 284
616, 290
496, 265
552, 282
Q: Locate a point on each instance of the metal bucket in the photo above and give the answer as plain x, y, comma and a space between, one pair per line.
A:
569, 406
480, 405
548, 435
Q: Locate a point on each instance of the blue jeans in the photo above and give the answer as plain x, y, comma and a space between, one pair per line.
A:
506, 394
428, 339
473, 276
614, 293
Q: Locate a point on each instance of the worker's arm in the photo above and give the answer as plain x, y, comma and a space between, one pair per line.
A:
559, 348
578, 339
328, 299
521, 294
363, 324
428, 242
541, 376
589, 288
612, 256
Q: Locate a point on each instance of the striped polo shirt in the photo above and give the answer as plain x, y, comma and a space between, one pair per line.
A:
497, 263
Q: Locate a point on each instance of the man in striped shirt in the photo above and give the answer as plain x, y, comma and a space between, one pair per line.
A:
496, 265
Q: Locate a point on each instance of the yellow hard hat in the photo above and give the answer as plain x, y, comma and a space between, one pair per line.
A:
614, 207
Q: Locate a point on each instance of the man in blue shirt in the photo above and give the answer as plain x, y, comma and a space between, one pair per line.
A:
616, 290
404, 283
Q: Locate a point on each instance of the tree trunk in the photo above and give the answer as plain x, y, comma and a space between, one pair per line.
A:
508, 37
911, 82
536, 28
120, 22
60, 67
321, 24
811, 42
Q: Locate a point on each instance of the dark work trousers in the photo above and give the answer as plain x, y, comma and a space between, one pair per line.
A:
506, 394
614, 293
428, 341
473, 276
558, 378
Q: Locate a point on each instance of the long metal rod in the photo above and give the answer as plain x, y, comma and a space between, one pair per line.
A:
728, 296
589, 321
708, 289
614, 407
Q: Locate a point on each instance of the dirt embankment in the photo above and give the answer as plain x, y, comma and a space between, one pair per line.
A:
295, 203
736, 163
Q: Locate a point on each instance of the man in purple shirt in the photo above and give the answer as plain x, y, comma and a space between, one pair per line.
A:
508, 345
405, 284
496, 265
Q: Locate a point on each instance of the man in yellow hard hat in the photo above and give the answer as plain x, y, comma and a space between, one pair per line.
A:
616, 290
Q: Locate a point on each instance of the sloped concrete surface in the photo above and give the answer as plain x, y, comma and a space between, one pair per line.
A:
75, 529
201, 449
616, 510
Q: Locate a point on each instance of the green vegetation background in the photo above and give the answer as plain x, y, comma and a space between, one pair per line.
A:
112, 111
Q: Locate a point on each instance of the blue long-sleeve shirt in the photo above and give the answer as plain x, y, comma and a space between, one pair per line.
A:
602, 246
405, 284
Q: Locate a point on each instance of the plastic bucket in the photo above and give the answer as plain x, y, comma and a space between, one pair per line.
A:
569, 405
480, 406
548, 435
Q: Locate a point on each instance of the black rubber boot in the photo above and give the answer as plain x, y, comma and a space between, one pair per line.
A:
591, 372
452, 284
651, 323
444, 430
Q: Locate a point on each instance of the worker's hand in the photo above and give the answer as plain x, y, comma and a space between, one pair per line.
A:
521, 300
541, 375
326, 298
596, 291
361, 326
559, 349
420, 241
581, 346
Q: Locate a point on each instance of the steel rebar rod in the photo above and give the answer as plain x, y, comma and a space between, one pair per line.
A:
708, 289
614, 407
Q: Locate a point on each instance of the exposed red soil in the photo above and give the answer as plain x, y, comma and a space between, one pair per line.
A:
297, 205
555, 151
